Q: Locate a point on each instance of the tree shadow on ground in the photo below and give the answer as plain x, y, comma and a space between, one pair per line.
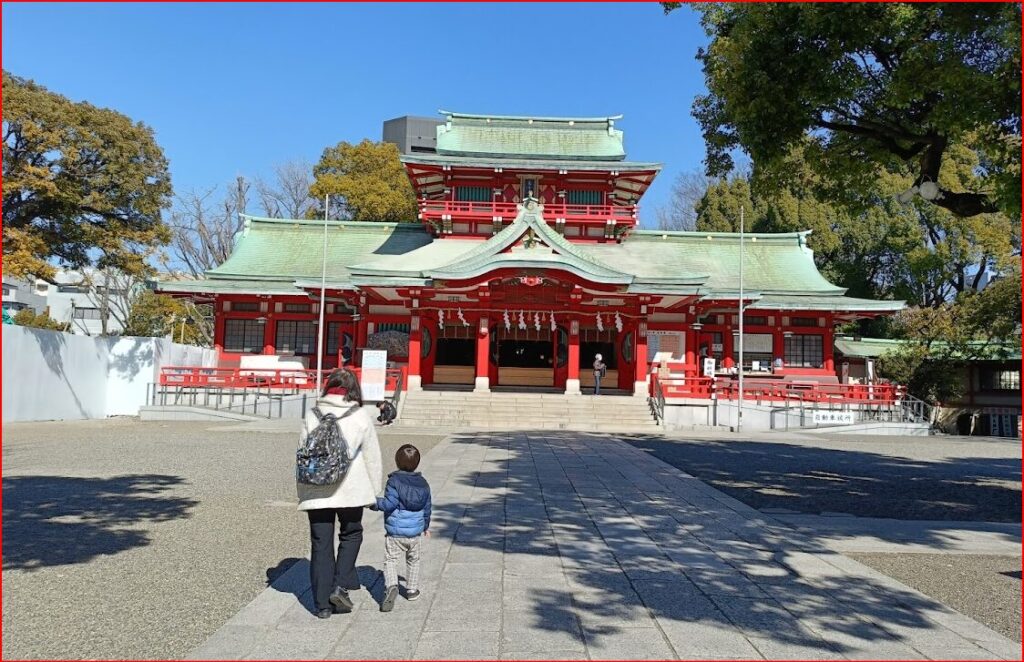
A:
812, 480
594, 541
61, 520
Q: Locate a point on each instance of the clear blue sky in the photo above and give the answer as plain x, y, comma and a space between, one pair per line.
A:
232, 89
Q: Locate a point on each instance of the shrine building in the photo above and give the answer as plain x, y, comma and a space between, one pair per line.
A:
525, 262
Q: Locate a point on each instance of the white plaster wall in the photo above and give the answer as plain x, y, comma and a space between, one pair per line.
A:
48, 375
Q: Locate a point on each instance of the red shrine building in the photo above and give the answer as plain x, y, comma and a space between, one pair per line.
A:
525, 262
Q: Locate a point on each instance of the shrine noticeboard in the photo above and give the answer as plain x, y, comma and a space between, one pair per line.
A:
373, 375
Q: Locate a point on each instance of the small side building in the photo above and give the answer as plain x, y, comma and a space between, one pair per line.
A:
991, 400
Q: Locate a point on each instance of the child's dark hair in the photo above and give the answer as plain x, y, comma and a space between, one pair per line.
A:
407, 458
346, 379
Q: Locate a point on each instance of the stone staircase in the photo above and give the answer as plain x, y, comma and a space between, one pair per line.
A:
526, 411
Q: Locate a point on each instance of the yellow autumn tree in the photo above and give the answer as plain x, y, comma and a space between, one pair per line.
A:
367, 179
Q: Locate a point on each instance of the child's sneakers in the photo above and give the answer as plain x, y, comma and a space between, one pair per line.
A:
411, 595
390, 595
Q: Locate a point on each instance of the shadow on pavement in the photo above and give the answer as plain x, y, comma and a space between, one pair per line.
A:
60, 520
594, 545
805, 479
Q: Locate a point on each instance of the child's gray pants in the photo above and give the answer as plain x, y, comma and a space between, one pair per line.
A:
395, 548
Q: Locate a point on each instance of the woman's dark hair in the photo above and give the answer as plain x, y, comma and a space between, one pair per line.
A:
407, 458
346, 379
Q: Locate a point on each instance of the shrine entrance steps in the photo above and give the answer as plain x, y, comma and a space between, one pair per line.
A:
526, 411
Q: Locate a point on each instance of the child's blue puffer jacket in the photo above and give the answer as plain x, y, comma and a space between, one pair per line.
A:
405, 504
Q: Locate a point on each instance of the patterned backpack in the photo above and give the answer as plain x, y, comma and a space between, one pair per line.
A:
323, 459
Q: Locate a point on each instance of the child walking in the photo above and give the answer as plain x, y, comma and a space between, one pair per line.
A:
406, 507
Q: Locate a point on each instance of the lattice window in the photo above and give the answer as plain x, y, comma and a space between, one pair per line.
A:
473, 193
298, 337
243, 336
805, 351
584, 197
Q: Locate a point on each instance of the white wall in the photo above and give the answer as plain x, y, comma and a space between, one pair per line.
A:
48, 375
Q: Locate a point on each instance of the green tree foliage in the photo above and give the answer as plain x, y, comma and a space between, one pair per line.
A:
81, 185
369, 179
891, 87
28, 317
158, 315
875, 246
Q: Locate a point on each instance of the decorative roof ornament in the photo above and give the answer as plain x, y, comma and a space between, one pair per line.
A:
600, 322
440, 318
508, 322
554, 327
522, 320
536, 321
618, 322
462, 318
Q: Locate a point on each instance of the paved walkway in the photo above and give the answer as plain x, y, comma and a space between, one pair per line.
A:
578, 546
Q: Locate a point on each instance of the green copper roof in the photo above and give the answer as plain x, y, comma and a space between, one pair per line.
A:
280, 256
524, 163
272, 251
875, 347
504, 136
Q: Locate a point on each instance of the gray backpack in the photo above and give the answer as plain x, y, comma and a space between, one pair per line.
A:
323, 459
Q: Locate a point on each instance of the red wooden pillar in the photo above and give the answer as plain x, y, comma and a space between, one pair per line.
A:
727, 360
572, 382
415, 345
269, 334
218, 326
778, 345
640, 377
482, 346
828, 346
690, 351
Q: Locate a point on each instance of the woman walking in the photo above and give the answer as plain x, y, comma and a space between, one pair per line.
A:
333, 577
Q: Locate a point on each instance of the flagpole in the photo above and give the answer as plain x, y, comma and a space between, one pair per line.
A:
323, 286
739, 397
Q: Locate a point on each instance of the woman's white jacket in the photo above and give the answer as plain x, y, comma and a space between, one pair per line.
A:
362, 481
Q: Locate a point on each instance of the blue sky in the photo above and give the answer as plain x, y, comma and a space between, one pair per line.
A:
232, 89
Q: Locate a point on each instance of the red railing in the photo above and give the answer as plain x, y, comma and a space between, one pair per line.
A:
766, 390
288, 378
435, 210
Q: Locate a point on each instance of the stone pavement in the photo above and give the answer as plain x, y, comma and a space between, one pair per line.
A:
559, 545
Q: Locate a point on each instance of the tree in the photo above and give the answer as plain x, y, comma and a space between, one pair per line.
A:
81, 185
369, 179
875, 86
287, 195
205, 228
158, 315
681, 211
28, 317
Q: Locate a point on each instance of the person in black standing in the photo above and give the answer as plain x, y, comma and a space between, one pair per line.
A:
600, 369
333, 577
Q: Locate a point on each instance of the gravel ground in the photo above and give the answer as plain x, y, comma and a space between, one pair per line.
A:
986, 588
130, 540
919, 478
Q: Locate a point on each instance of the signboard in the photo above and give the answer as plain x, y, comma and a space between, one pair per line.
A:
709, 368
833, 417
671, 343
716, 347
374, 374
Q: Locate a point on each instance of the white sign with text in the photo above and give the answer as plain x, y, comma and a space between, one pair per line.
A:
833, 417
374, 374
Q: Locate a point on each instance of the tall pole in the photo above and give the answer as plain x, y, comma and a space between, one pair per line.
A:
739, 397
323, 287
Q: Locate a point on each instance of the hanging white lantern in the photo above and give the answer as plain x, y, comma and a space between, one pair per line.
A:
554, 327
522, 320
440, 319
508, 322
618, 322
462, 318
600, 322
536, 321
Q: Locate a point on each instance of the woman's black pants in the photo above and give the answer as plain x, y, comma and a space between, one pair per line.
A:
325, 571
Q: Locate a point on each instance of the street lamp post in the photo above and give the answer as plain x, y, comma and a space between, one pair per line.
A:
323, 286
739, 397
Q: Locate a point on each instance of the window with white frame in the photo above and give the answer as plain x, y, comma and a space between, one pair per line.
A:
804, 350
